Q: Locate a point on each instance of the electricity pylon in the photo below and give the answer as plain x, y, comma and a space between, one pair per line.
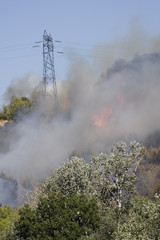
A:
49, 80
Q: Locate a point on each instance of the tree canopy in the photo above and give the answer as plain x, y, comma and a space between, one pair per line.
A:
58, 217
93, 200
111, 178
7, 215
16, 109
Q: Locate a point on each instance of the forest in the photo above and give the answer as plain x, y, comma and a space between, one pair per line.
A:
113, 196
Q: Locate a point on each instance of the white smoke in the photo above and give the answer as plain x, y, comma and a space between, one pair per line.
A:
21, 87
113, 98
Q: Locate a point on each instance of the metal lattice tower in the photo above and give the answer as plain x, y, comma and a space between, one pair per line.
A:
49, 80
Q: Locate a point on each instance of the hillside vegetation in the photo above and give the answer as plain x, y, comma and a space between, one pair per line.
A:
95, 200
113, 196
16, 109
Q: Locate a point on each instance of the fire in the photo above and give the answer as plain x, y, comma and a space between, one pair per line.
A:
100, 120
120, 97
105, 117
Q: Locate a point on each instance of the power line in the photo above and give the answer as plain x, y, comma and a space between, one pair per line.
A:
14, 49
15, 46
63, 48
56, 41
23, 56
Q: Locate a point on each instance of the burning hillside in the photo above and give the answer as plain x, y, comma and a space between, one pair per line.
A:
93, 113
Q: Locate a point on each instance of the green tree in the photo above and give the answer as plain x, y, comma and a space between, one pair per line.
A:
17, 108
74, 176
142, 222
2, 116
108, 226
26, 226
7, 215
58, 217
111, 178
120, 169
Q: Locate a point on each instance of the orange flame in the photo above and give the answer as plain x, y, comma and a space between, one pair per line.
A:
120, 97
100, 120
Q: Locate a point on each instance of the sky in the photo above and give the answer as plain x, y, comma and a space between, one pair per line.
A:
78, 24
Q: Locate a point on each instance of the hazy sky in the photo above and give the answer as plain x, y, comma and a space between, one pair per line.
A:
79, 24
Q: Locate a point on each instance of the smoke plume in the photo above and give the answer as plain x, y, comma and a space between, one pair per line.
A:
21, 87
113, 97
